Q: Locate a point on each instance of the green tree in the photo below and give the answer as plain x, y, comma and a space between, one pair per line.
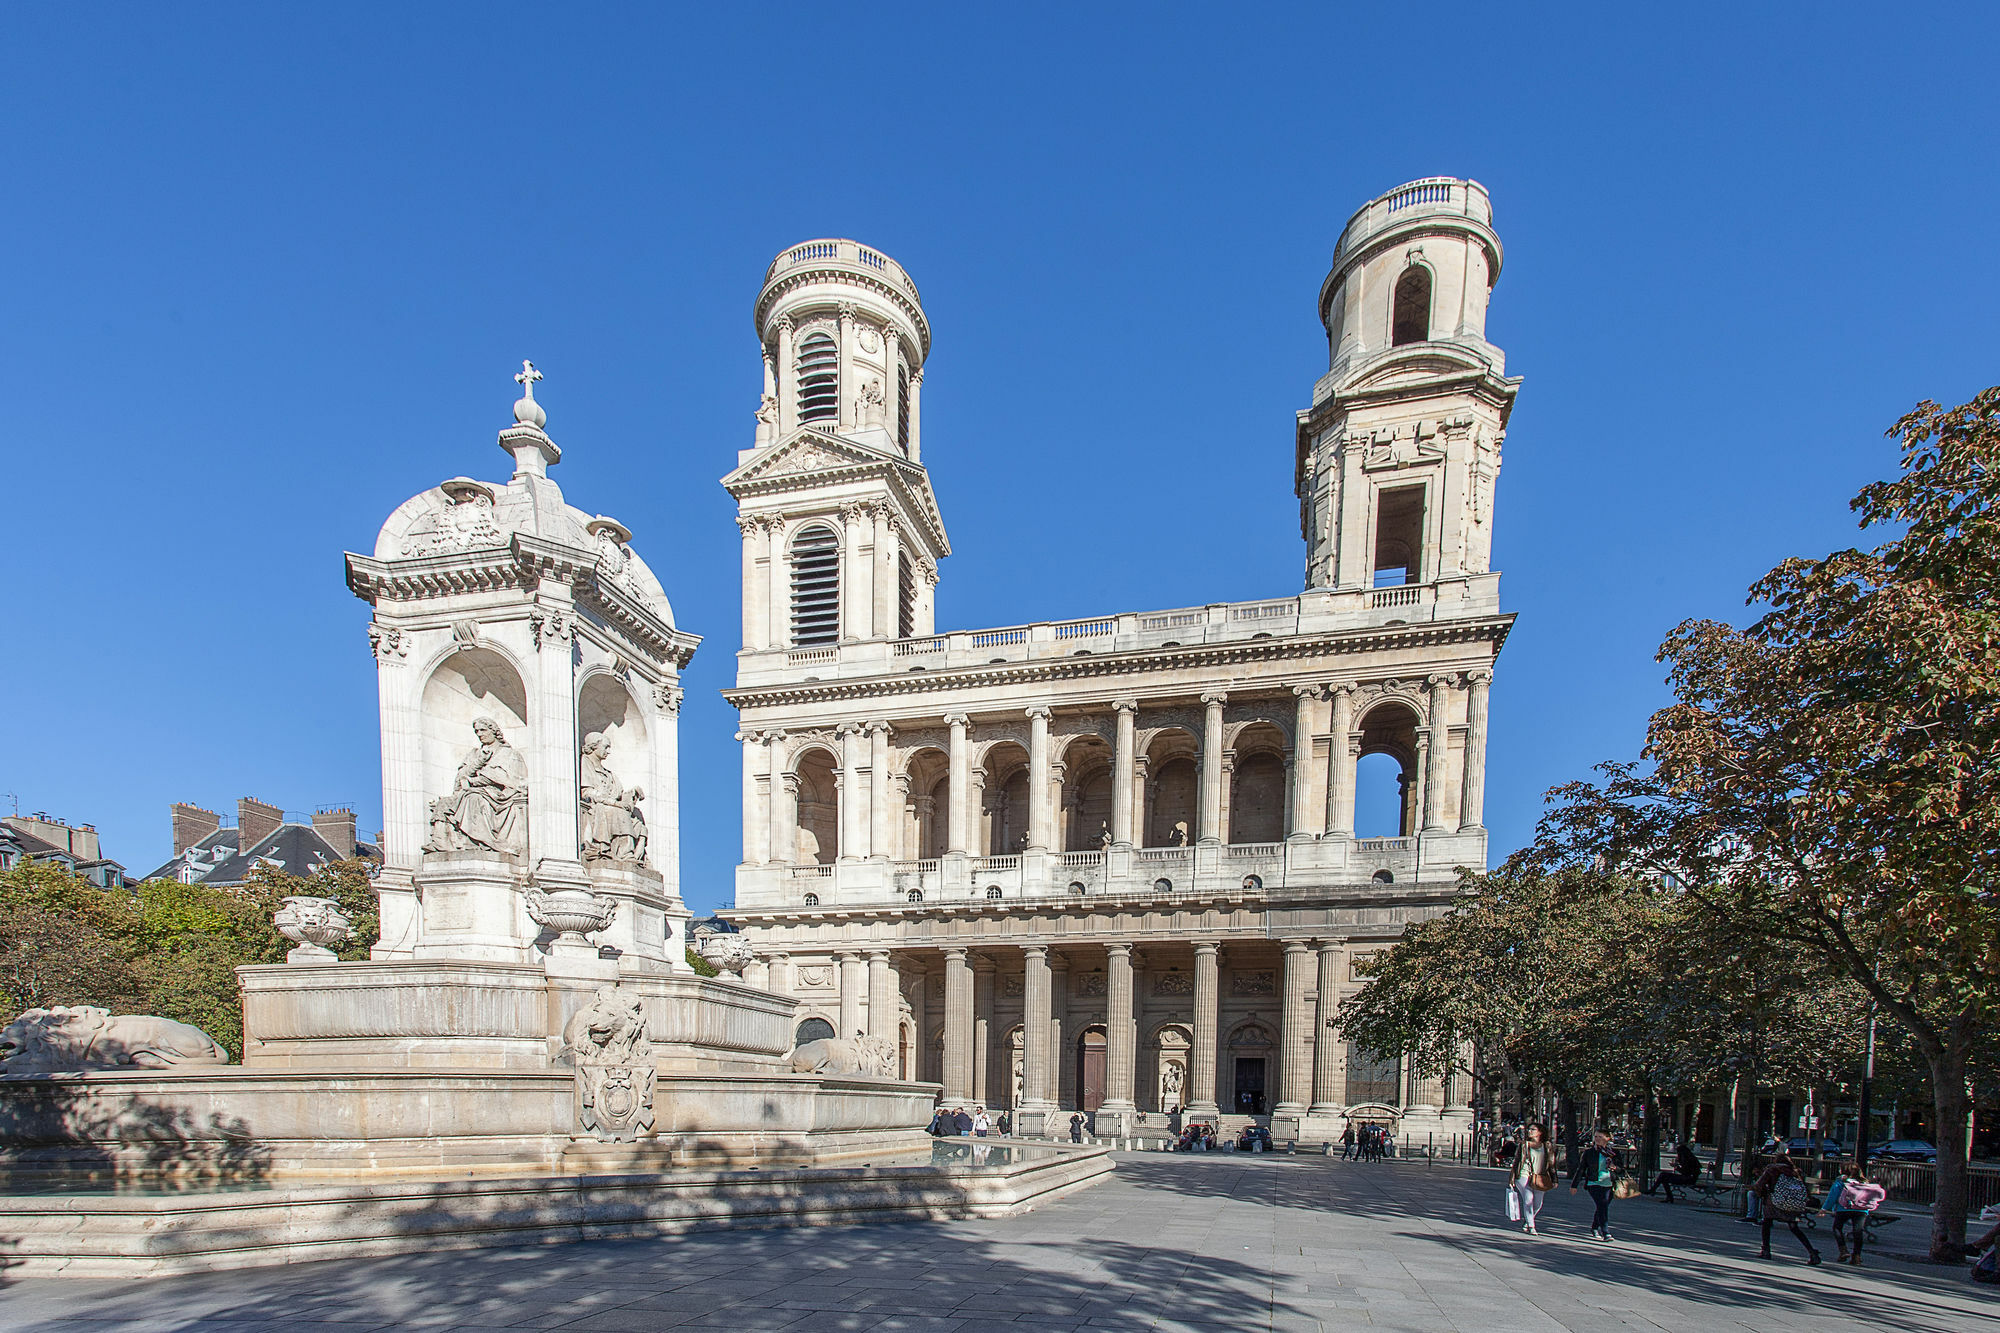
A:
1828, 780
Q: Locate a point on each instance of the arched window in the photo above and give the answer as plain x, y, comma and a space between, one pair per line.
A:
903, 408
993, 891
1412, 322
815, 587
813, 1029
812, 900
914, 896
819, 378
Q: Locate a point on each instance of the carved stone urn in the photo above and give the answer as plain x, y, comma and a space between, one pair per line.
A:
312, 924
571, 913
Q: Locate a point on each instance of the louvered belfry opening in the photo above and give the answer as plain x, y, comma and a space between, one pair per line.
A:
815, 587
819, 379
903, 411
906, 598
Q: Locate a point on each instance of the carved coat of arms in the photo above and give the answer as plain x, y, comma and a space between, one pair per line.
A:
615, 1074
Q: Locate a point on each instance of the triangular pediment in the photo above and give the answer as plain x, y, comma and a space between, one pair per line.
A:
810, 458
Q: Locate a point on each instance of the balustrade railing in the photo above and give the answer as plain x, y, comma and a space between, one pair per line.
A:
1077, 860
1253, 851
1409, 595
1384, 844
808, 656
1086, 629
996, 863
921, 647
812, 872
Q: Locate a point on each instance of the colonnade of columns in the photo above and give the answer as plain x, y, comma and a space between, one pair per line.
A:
873, 798
781, 380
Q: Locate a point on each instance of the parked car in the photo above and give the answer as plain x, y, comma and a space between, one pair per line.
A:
1906, 1150
1803, 1147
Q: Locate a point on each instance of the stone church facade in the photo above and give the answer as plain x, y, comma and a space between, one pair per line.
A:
1110, 864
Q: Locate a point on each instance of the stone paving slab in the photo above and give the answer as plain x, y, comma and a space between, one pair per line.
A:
1172, 1242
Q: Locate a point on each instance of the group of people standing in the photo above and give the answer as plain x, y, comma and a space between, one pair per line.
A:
955, 1123
1780, 1193
1371, 1143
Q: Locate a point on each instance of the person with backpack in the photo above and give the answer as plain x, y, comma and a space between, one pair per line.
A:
1597, 1171
1782, 1192
1851, 1199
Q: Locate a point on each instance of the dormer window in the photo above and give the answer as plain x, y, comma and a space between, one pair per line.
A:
819, 379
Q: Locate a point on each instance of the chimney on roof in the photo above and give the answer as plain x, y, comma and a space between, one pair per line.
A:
192, 824
336, 825
255, 821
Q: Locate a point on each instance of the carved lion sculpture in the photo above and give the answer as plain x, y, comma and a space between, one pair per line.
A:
86, 1037
859, 1054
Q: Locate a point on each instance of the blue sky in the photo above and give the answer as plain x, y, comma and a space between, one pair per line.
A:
267, 272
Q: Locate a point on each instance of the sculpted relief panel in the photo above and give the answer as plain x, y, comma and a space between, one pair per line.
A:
487, 807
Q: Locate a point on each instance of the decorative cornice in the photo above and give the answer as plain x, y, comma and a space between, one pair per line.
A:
1483, 629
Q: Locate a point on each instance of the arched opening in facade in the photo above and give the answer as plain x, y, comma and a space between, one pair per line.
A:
905, 1051
1385, 777
1412, 322
1257, 786
1017, 1066
819, 378
819, 810
470, 685
1004, 806
926, 803
1086, 795
1251, 1073
1172, 790
812, 1029
815, 586
1090, 1068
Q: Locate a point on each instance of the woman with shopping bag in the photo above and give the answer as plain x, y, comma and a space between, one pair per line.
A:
1531, 1175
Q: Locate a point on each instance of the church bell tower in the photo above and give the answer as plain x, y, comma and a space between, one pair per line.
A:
1400, 451
841, 531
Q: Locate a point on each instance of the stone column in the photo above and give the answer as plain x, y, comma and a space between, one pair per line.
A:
957, 1027
852, 809
1201, 1060
883, 1009
757, 973
879, 845
982, 1029
1295, 1037
780, 624
1326, 1095
1061, 1067
891, 388
920, 1044
961, 779
1340, 765
1472, 796
850, 398
885, 574
1303, 826
1038, 779
1120, 1042
779, 979
856, 608
916, 414
777, 801
1122, 771
1035, 1005
1211, 766
1440, 753
550, 748
788, 378
785, 819
753, 760
754, 615
853, 985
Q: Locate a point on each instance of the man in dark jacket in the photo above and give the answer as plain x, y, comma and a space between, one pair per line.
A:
962, 1123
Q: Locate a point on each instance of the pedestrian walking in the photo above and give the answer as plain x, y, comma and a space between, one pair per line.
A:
981, 1122
1783, 1197
1851, 1199
1531, 1176
1596, 1170
1347, 1143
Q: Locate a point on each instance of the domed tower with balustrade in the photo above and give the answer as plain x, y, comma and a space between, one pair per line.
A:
1113, 864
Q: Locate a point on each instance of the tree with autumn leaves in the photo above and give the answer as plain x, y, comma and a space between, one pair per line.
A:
1823, 795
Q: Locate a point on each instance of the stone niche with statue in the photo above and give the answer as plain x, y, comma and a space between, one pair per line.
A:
529, 1006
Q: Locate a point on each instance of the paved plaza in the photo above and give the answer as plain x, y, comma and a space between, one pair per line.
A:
1172, 1242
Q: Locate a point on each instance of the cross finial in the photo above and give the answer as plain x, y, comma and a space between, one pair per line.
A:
526, 379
